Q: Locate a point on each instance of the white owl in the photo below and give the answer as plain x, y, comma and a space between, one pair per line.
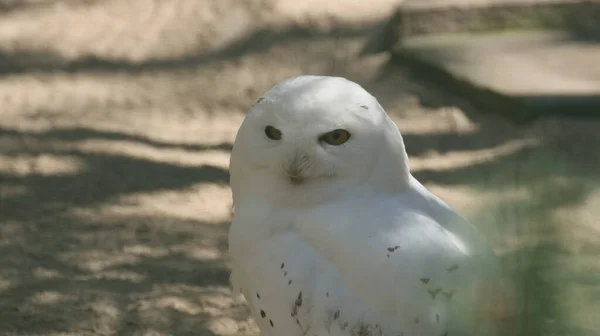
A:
333, 236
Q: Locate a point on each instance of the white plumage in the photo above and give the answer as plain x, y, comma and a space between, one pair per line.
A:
333, 236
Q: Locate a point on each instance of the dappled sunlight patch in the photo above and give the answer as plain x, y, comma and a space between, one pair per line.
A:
179, 304
579, 229
11, 232
347, 11
146, 250
461, 159
228, 326
98, 260
417, 120
589, 212
49, 297
462, 198
179, 156
45, 273
189, 250
200, 297
13, 191
5, 283
43, 164
199, 252
128, 236
209, 305
207, 202
119, 275
106, 314
52, 94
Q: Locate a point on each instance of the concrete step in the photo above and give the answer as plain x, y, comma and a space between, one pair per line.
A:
441, 16
426, 17
519, 74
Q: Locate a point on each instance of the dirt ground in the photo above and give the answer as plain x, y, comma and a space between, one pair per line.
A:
116, 122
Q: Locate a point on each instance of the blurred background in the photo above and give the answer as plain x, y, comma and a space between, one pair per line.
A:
117, 119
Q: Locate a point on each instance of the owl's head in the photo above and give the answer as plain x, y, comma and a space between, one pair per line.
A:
310, 139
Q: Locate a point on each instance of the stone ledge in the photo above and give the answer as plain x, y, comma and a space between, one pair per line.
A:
520, 75
422, 18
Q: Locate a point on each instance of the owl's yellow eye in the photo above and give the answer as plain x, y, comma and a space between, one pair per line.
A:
272, 133
336, 137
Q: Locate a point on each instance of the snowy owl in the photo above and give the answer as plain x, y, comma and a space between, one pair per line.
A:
333, 236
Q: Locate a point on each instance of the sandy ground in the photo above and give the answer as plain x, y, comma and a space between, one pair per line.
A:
116, 122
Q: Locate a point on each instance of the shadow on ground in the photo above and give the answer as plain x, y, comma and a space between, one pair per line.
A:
104, 177
97, 271
257, 41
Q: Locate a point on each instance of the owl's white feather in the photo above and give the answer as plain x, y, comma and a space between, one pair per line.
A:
341, 239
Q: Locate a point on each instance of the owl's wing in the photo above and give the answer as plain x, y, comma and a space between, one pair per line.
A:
406, 265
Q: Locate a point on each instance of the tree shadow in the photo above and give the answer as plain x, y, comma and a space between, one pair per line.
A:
256, 41
98, 272
84, 133
140, 276
8, 6
102, 177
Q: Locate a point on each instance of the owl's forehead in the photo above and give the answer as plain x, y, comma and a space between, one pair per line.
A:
319, 103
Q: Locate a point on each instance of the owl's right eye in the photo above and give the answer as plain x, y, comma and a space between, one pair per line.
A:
272, 133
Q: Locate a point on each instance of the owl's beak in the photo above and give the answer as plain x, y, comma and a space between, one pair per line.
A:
295, 169
295, 178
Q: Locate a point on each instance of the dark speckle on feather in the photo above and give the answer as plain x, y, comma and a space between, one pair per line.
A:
282, 265
364, 107
297, 304
452, 268
298, 301
336, 314
259, 100
285, 273
393, 248
271, 323
424, 280
434, 292
290, 282
361, 329
327, 294
257, 295
437, 318
262, 313
448, 294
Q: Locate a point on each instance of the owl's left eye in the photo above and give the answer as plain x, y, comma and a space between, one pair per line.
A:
336, 137
272, 133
